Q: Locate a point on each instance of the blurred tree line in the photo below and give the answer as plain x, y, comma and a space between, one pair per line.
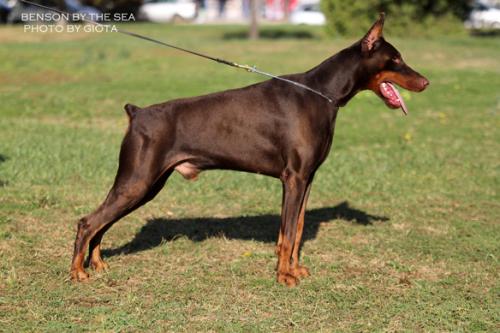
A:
405, 17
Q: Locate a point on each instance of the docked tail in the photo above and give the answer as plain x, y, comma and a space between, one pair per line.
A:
131, 110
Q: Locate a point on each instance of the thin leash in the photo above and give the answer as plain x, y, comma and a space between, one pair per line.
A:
251, 69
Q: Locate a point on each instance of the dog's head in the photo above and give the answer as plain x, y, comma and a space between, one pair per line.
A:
385, 68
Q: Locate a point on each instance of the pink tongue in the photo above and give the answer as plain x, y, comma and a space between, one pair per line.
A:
401, 100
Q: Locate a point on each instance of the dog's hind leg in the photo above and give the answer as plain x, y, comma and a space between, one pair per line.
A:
141, 174
95, 258
120, 202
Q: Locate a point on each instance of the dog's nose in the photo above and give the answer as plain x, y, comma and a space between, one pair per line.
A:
424, 83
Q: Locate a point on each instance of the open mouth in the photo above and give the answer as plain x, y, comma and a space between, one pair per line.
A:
392, 96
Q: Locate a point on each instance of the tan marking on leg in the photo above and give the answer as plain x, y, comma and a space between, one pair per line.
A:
96, 261
297, 270
278, 244
77, 271
284, 275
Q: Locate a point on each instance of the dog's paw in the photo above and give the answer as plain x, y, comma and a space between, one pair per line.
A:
300, 272
79, 276
287, 279
99, 266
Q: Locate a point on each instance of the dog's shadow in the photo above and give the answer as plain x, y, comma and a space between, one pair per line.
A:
263, 228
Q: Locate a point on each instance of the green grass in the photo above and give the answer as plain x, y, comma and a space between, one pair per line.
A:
402, 232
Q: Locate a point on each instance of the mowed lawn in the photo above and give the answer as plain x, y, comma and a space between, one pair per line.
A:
402, 229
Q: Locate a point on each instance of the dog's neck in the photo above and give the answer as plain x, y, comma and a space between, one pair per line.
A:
338, 76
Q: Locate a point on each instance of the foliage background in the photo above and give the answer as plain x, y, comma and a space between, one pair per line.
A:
407, 17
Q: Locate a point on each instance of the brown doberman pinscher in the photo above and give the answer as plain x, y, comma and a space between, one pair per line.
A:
272, 128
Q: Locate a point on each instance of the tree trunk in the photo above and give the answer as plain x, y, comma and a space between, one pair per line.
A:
286, 10
254, 26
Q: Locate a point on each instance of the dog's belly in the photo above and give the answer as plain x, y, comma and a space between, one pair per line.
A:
199, 161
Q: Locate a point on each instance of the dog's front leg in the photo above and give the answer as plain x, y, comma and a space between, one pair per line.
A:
297, 270
294, 191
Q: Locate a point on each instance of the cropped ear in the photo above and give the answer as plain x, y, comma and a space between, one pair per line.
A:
373, 34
